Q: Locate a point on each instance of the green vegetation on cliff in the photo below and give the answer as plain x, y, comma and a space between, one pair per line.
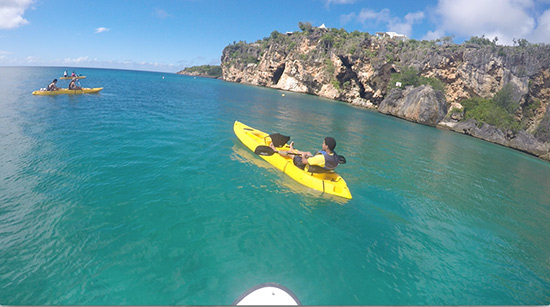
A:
487, 111
505, 86
212, 71
409, 76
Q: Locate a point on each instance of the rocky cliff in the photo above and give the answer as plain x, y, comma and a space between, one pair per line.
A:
206, 71
361, 69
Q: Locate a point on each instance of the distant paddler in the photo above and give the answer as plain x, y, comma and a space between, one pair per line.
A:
73, 86
52, 86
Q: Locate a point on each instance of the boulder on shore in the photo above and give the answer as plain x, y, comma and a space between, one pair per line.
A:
421, 104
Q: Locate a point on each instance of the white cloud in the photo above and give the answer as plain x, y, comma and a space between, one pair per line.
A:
160, 13
505, 19
405, 26
345, 19
74, 61
11, 13
101, 30
85, 61
32, 59
541, 34
433, 35
367, 15
372, 18
329, 2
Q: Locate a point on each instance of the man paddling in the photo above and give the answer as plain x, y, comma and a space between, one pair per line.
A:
323, 160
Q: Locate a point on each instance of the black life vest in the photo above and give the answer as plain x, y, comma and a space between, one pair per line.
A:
331, 161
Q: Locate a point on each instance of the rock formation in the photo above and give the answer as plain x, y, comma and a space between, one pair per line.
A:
358, 68
421, 104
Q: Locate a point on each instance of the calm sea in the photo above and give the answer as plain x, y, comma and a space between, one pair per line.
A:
142, 194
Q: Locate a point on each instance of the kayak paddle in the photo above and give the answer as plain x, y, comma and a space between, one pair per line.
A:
268, 151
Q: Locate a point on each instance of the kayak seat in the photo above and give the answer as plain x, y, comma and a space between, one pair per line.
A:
278, 139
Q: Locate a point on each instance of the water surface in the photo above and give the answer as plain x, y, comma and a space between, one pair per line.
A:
142, 194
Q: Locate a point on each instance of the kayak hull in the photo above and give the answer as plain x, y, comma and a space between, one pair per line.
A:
268, 294
330, 183
65, 91
70, 78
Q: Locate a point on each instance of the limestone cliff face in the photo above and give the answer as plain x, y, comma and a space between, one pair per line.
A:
357, 68
422, 104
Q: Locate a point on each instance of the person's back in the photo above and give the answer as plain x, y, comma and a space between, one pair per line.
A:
72, 85
324, 159
52, 86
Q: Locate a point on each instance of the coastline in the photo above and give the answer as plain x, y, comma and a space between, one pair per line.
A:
520, 141
198, 75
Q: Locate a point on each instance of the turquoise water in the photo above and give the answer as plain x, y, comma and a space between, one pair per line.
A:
142, 194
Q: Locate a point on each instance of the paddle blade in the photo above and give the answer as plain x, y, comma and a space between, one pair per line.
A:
341, 160
279, 139
264, 150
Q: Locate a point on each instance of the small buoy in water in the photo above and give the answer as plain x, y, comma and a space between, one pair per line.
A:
162, 77
283, 95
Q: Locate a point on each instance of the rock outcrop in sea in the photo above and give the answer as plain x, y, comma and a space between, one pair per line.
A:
364, 70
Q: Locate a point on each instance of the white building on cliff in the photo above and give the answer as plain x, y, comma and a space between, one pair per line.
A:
392, 35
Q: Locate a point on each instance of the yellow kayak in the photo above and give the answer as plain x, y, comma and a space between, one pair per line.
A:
70, 78
330, 182
68, 91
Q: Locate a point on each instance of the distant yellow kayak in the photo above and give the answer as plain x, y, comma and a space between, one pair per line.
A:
70, 78
65, 91
330, 183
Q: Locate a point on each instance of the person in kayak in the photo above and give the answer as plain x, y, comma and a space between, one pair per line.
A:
72, 85
52, 86
322, 161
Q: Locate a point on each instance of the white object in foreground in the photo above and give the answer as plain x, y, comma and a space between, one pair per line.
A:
268, 294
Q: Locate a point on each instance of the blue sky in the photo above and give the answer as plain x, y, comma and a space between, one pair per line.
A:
171, 35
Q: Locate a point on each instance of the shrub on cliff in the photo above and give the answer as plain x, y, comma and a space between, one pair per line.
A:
481, 41
505, 99
409, 76
487, 111
305, 26
205, 70
242, 53
543, 130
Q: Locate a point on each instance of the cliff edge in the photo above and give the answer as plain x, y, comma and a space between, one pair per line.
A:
436, 83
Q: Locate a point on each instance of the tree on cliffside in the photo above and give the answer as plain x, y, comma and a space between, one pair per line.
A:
498, 111
305, 26
505, 99
409, 76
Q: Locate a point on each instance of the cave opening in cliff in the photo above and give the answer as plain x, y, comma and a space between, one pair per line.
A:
278, 73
